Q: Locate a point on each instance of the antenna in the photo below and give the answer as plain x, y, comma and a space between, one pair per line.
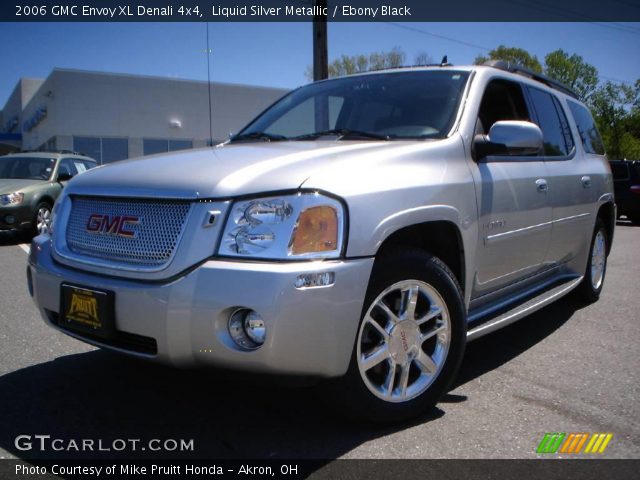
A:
209, 89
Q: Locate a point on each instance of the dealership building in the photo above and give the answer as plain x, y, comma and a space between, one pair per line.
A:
110, 116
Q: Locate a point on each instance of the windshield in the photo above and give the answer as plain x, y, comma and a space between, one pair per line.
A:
416, 104
27, 168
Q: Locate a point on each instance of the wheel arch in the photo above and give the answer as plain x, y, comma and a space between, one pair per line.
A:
441, 238
607, 214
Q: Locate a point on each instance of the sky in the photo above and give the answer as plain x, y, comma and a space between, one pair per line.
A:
277, 54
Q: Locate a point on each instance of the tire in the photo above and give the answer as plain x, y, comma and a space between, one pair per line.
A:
591, 285
392, 340
41, 219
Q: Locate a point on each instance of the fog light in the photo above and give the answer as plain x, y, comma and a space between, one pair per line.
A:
10, 219
254, 327
247, 328
312, 280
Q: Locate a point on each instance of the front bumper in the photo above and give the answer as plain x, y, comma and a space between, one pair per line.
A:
309, 331
22, 216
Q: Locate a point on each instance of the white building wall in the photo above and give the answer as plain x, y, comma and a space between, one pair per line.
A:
95, 104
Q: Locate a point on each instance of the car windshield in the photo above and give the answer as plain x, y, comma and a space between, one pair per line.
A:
27, 168
383, 106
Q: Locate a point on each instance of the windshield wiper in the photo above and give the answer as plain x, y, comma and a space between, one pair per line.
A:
342, 133
266, 137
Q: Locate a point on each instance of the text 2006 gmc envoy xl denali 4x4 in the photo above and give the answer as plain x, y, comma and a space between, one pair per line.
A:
362, 228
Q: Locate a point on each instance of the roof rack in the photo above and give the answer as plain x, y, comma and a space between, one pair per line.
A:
67, 152
520, 70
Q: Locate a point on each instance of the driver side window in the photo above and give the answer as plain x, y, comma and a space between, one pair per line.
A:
502, 100
67, 167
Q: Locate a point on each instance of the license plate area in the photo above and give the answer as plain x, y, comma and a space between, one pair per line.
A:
87, 311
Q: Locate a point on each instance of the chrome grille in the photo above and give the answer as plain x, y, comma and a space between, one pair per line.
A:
153, 241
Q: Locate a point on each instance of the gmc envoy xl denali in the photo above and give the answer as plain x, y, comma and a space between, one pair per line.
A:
362, 228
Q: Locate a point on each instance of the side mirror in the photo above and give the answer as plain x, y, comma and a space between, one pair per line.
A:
509, 138
64, 177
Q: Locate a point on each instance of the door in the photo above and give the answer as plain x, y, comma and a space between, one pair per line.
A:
513, 201
571, 191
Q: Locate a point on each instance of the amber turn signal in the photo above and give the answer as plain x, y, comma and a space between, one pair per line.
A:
317, 231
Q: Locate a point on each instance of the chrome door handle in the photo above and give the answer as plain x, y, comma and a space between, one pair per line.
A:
586, 181
541, 185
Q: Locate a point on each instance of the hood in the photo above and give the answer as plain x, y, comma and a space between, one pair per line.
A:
12, 185
232, 169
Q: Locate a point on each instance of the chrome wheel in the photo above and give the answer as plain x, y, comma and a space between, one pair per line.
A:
43, 220
403, 341
598, 259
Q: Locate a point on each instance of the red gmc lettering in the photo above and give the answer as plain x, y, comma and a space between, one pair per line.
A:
116, 225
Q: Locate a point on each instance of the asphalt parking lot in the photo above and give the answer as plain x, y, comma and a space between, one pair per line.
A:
566, 368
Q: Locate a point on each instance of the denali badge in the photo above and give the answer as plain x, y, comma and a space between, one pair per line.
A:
112, 225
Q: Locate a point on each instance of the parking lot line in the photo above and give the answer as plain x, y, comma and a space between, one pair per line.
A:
25, 247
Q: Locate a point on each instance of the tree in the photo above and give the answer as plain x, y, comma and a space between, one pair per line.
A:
423, 58
350, 64
512, 55
573, 71
610, 104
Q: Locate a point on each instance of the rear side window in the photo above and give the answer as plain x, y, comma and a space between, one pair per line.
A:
589, 135
620, 171
558, 141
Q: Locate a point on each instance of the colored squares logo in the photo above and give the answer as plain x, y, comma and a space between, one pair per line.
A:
572, 443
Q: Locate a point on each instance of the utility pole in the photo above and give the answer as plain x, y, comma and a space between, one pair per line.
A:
320, 56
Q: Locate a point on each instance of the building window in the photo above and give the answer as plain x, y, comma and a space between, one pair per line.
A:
89, 146
114, 149
157, 145
180, 145
103, 149
152, 146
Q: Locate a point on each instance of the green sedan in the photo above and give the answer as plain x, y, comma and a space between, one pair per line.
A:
29, 185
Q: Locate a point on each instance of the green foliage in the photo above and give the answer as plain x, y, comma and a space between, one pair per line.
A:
350, 64
512, 55
573, 71
611, 106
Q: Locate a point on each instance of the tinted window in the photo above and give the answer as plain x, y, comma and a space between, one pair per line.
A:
553, 123
502, 100
589, 135
620, 171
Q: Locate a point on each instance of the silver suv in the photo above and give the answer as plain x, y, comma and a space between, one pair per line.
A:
361, 229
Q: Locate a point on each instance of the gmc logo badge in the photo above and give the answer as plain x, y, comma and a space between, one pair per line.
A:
119, 225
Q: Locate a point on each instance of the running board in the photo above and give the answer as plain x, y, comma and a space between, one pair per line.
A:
523, 309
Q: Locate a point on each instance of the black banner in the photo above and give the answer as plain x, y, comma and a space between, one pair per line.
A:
591, 469
306, 10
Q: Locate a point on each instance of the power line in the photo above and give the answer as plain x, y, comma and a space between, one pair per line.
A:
573, 15
473, 45
443, 37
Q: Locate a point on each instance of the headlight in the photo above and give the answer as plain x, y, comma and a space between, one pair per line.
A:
11, 198
304, 225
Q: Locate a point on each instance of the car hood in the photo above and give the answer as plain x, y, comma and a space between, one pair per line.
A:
12, 185
230, 170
